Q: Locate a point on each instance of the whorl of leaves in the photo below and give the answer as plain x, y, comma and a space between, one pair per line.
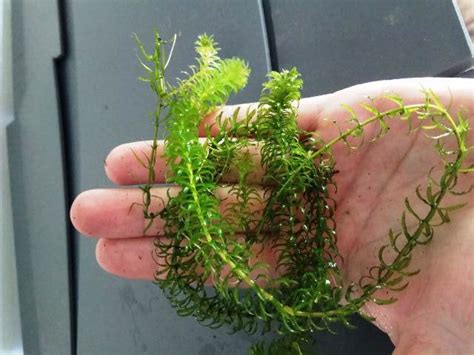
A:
207, 254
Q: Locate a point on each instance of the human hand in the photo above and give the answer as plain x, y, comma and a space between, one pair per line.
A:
433, 314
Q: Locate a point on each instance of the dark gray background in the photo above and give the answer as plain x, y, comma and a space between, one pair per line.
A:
76, 97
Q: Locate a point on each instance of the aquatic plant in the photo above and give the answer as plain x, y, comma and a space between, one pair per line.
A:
208, 260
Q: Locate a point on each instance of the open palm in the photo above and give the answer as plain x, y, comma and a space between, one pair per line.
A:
435, 314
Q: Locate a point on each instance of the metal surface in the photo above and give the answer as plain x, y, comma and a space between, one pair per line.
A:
339, 43
36, 176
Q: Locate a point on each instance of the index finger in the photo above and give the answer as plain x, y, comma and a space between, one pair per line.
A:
308, 113
314, 112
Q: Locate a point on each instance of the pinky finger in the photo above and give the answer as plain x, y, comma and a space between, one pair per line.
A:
129, 258
136, 259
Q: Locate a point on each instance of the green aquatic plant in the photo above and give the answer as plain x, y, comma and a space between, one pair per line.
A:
208, 261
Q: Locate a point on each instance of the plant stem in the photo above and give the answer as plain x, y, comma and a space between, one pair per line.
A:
410, 245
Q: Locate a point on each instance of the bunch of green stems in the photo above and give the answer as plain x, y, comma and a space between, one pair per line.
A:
292, 214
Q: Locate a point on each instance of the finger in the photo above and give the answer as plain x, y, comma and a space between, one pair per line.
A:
127, 257
116, 213
318, 112
308, 114
455, 93
134, 258
125, 165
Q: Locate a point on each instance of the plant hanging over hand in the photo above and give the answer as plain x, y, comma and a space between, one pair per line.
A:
221, 243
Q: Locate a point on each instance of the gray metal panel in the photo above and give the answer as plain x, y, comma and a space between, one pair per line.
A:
36, 176
107, 107
338, 43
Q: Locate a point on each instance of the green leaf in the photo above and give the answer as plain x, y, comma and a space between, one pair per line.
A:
297, 221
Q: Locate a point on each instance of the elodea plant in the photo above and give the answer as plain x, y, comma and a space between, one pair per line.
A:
208, 260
